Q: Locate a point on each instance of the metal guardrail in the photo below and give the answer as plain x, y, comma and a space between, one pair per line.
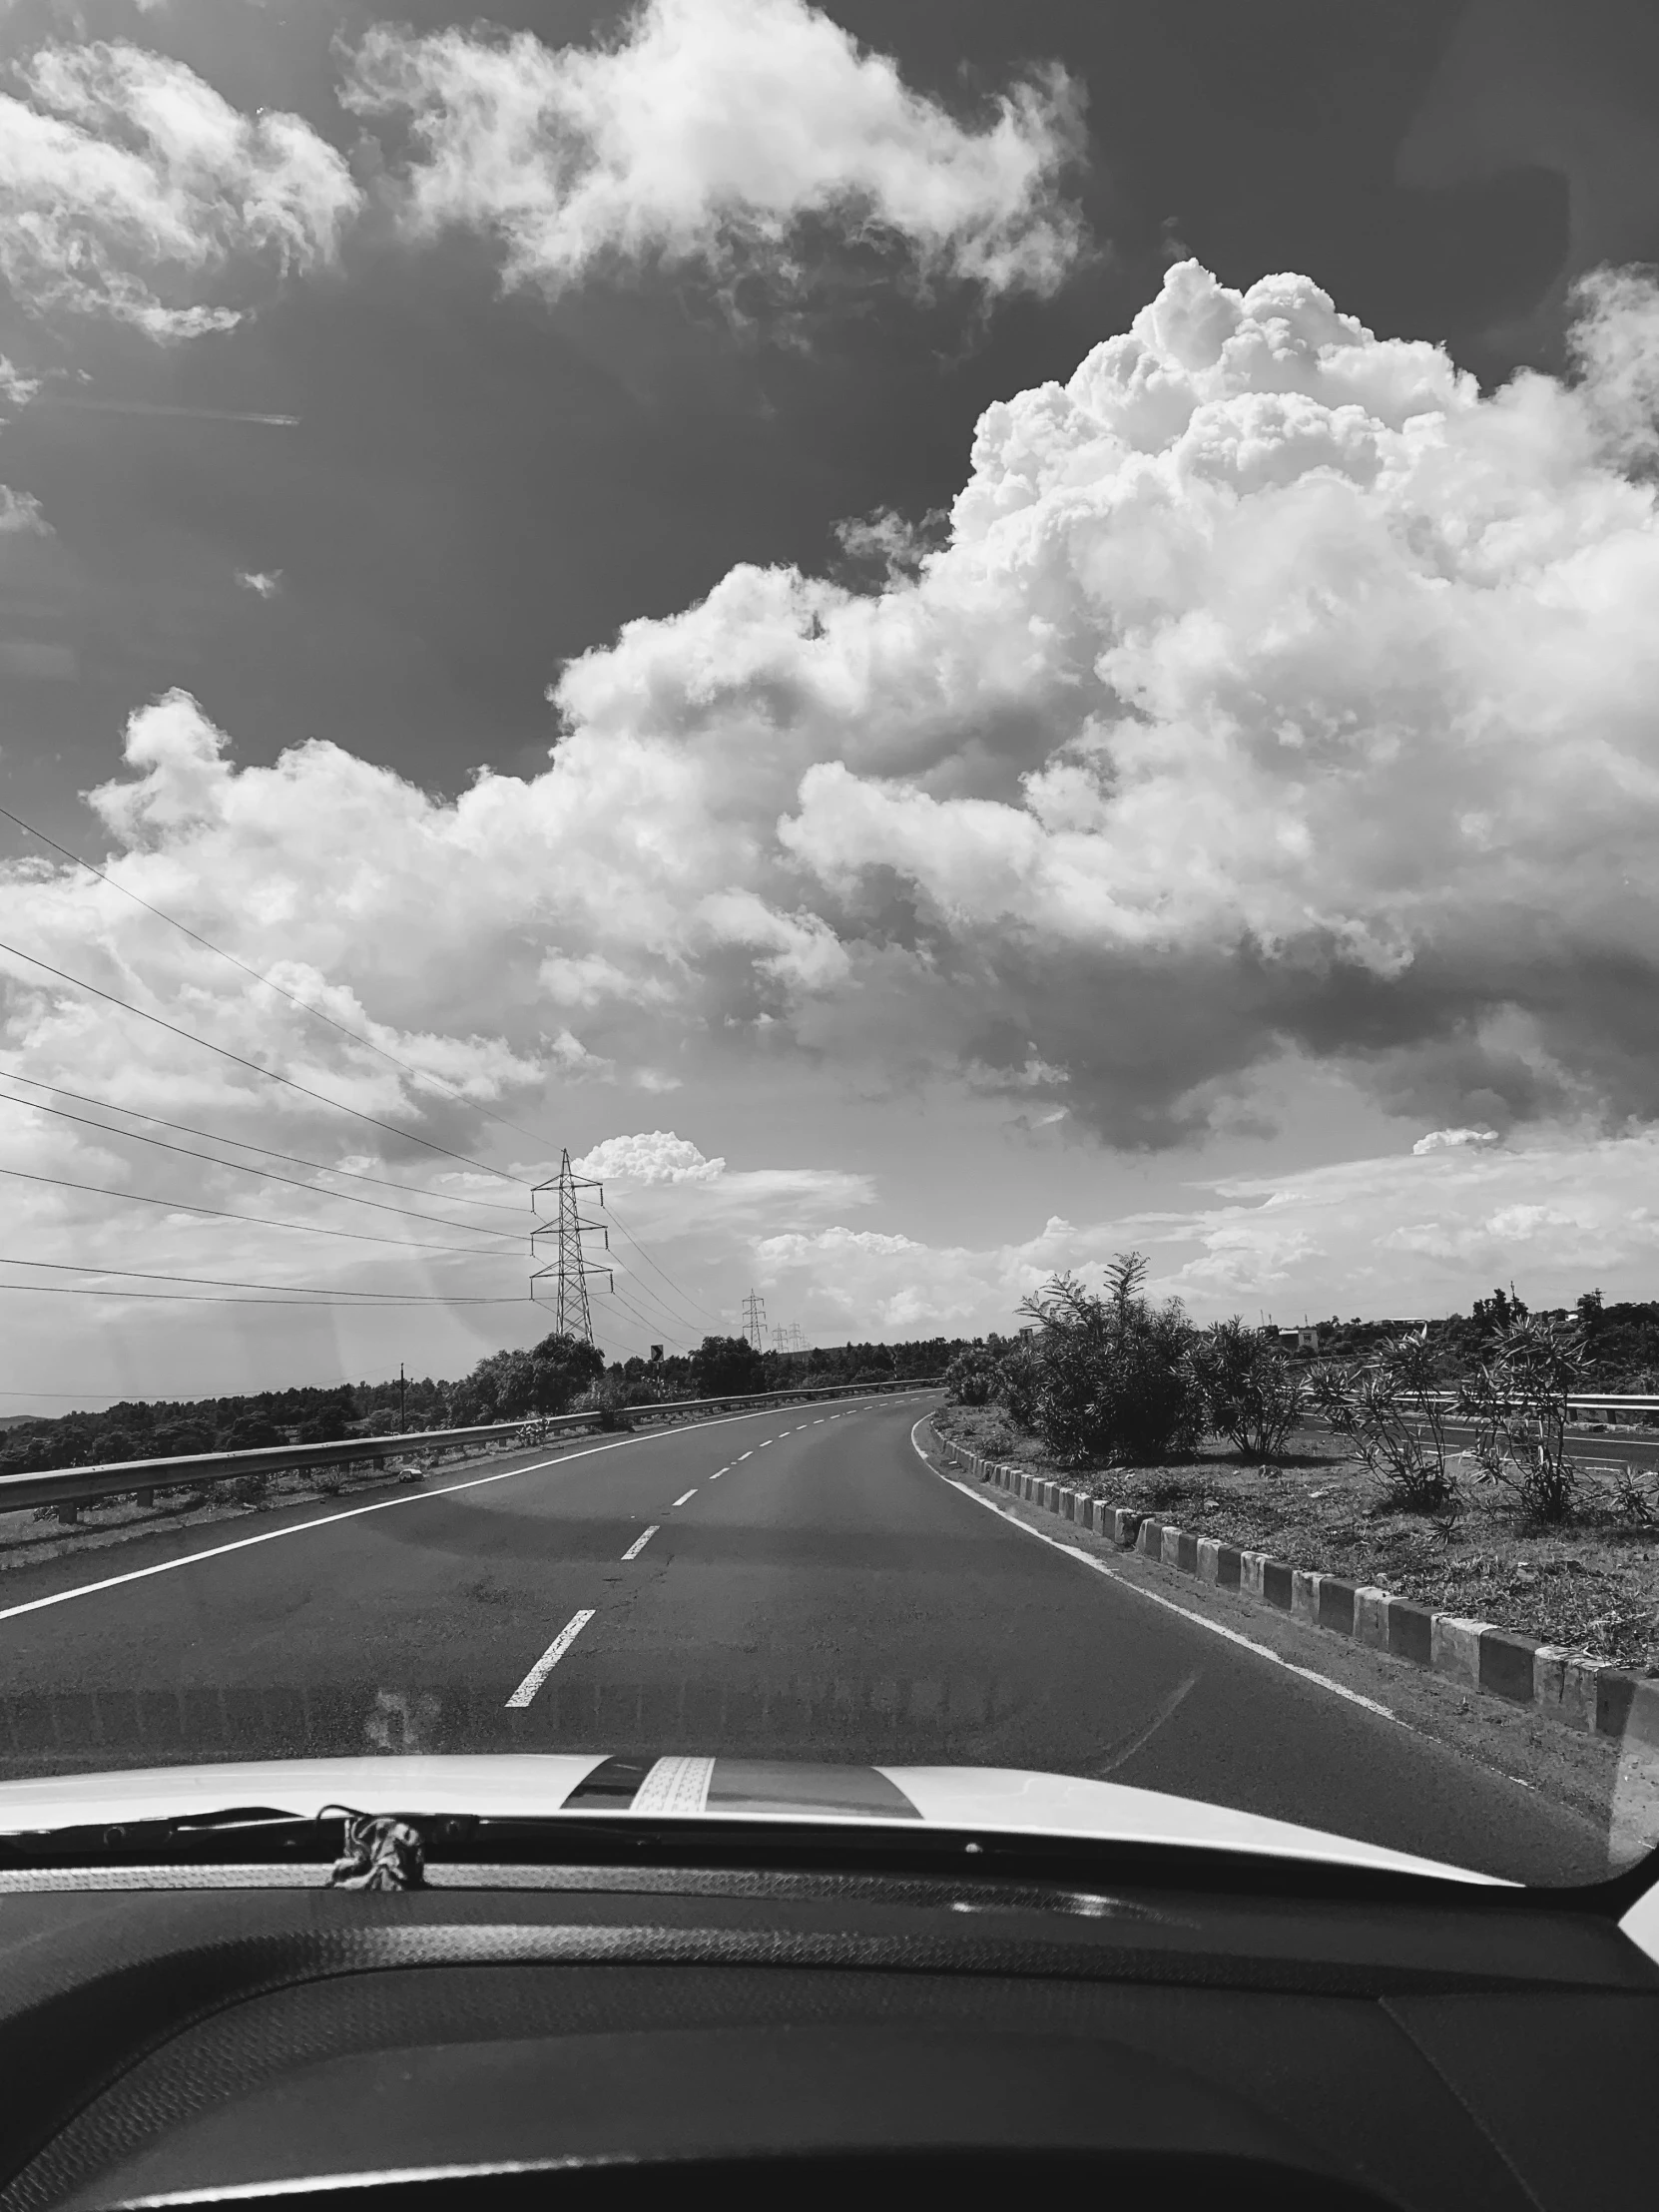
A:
74, 1486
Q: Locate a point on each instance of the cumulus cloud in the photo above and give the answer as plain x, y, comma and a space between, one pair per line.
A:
262, 582
20, 515
714, 132
1453, 1140
1423, 1233
1275, 692
126, 181
657, 1156
16, 389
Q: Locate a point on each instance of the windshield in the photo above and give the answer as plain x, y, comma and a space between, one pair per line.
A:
923, 739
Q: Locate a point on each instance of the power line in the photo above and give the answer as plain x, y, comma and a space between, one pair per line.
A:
243, 1144
223, 1283
423, 1075
191, 1298
264, 1175
271, 1074
259, 1221
610, 1208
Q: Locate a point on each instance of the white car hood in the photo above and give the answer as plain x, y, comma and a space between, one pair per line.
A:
1001, 1800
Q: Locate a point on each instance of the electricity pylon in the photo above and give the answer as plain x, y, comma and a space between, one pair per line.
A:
755, 1321
570, 1266
779, 1339
798, 1337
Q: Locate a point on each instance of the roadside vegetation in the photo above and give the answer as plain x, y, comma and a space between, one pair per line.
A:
1357, 1466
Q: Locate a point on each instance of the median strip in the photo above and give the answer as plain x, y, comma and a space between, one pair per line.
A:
1565, 1686
549, 1660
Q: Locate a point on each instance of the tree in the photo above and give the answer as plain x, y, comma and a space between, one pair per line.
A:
326, 1426
1113, 1376
1250, 1390
249, 1432
726, 1367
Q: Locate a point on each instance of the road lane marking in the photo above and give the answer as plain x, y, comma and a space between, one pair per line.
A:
680, 1500
356, 1512
1155, 1597
549, 1660
639, 1544
741, 1456
763, 1444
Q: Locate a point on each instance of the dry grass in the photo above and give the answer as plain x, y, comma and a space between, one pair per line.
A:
1592, 1584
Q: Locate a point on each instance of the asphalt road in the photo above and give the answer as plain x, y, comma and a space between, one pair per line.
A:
795, 1583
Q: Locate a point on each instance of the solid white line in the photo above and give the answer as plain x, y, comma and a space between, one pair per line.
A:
639, 1544
1199, 1621
549, 1660
692, 1493
355, 1512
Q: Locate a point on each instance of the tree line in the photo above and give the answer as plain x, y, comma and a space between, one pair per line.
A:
559, 1375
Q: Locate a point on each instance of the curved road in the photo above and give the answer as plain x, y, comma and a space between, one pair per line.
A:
791, 1583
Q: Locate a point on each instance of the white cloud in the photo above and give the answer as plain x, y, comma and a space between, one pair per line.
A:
264, 583
1273, 690
1453, 1140
20, 515
657, 1156
126, 181
714, 132
16, 389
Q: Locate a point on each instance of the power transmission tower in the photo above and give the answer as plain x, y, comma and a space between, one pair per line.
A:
570, 1266
779, 1339
755, 1320
798, 1337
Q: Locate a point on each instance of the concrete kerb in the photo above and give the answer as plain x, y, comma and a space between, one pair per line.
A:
1566, 1686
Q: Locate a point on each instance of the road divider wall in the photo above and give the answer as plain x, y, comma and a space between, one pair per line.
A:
1565, 1686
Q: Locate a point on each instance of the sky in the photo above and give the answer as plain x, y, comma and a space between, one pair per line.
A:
945, 640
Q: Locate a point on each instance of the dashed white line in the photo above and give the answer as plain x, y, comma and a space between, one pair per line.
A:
741, 1456
358, 1512
549, 1660
639, 1544
761, 1446
692, 1493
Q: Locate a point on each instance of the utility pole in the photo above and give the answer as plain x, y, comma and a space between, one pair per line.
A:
402, 1423
755, 1320
570, 1268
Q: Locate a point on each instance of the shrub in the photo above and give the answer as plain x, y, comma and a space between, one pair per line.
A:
1251, 1392
1388, 1411
1112, 1377
1018, 1376
1517, 1400
971, 1378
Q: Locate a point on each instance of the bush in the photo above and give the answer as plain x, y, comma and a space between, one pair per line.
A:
970, 1378
1249, 1391
1387, 1412
1113, 1380
1517, 1400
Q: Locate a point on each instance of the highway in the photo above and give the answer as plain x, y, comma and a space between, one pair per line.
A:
796, 1582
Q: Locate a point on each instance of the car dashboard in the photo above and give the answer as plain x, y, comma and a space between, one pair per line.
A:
637, 2013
